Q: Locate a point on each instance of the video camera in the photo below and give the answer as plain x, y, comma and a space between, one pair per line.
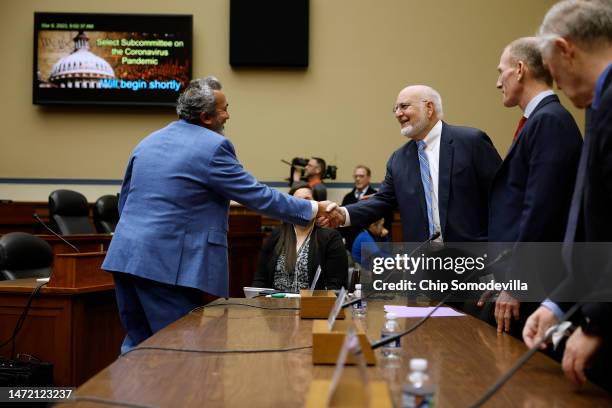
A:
299, 163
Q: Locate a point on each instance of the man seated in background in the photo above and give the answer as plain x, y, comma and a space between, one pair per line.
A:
292, 254
362, 188
376, 232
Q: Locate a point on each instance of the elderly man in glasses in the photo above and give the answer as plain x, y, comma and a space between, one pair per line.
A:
439, 179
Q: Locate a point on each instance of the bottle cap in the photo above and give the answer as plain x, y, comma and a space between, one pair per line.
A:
418, 364
391, 315
358, 286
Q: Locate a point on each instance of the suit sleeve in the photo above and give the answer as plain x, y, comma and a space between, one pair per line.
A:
486, 161
125, 186
554, 151
600, 314
227, 177
336, 262
365, 212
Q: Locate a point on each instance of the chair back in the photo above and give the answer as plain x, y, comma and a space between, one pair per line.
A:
24, 255
70, 212
106, 214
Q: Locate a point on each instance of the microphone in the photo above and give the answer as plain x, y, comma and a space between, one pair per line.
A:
536, 347
35, 215
502, 256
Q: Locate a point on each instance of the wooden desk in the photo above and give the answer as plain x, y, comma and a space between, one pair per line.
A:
465, 356
77, 329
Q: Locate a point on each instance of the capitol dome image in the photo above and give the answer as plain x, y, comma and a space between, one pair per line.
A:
80, 69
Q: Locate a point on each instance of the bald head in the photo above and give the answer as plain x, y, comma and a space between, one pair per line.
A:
426, 93
418, 108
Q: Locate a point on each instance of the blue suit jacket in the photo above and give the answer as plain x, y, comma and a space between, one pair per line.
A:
532, 189
174, 208
468, 162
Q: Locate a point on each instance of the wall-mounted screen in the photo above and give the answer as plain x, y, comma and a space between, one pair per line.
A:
269, 33
111, 59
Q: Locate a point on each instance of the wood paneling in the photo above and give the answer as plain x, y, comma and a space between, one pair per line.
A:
77, 330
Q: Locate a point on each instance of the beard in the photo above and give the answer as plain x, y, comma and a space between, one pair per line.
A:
219, 128
412, 130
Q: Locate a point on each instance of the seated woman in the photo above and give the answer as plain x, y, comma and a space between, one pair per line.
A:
291, 255
376, 232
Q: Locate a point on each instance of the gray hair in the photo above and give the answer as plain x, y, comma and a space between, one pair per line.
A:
588, 22
198, 97
434, 97
527, 49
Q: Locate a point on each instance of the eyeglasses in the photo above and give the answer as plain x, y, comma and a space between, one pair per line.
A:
405, 105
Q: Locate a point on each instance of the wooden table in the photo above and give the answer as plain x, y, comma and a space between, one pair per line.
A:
466, 356
76, 329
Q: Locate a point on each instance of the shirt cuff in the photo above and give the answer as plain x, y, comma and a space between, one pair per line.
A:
347, 218
553, 307
315, 209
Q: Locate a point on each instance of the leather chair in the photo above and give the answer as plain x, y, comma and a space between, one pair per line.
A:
23, 255
70, 212
106, 214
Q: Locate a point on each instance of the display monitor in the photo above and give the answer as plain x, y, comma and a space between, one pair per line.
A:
111, 59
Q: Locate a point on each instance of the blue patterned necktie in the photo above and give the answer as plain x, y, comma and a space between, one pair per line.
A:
427, 184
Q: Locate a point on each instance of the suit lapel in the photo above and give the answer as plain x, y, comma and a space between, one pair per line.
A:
445, 169
543, 102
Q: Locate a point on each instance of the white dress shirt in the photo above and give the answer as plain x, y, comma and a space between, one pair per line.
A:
535, 101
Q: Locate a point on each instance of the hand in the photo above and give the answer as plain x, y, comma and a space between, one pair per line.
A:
485, 297
330, 215
506, 307
384, 232
579, 351
536, 326
297, 174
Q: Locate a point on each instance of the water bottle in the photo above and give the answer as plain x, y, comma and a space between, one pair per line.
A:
391, 350
417, 392
359, 308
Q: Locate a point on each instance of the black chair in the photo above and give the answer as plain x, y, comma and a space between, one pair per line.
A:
106, 214
23, 255
70, 212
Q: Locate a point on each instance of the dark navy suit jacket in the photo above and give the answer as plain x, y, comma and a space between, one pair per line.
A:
468, 162
592, 276
532, 190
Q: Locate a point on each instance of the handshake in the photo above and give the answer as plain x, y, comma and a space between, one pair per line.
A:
330, 215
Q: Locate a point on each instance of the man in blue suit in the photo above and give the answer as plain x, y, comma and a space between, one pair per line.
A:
439, 180
532, 190
171, 240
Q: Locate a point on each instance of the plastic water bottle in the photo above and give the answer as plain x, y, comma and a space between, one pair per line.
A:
391, 350
418, 392
360, 308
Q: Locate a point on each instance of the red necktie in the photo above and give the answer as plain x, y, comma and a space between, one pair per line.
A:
519, 127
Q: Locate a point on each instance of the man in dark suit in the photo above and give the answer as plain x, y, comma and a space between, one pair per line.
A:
362, 176
439, 180
532, 189
577, 47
